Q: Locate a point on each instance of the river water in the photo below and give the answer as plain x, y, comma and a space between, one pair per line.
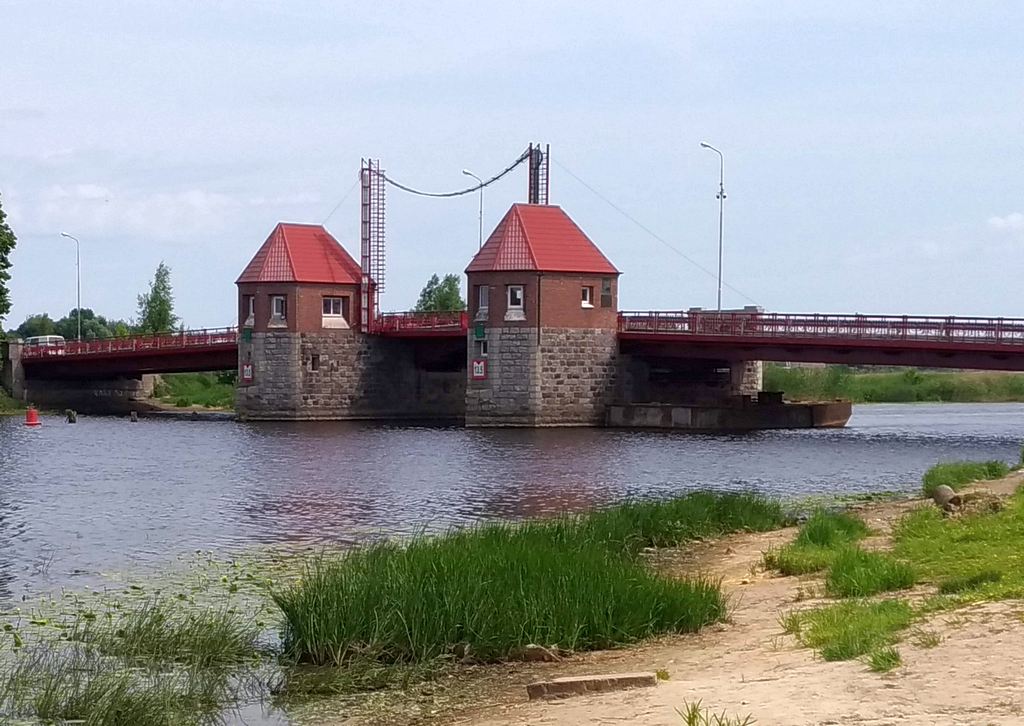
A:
106, 495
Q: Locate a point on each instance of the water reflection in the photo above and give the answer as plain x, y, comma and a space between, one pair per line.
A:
106, 495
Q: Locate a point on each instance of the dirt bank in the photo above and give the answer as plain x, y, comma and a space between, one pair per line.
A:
748, 666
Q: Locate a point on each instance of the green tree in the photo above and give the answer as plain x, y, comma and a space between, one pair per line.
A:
441, 295
40, 324
156, 307
7, 242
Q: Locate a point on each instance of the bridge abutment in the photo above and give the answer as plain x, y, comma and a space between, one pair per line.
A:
113, 397
344, 374
12, 374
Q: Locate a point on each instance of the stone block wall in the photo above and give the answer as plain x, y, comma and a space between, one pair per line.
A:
746, 377
12, 375
578, 375
565, 379
341, 375
511, 393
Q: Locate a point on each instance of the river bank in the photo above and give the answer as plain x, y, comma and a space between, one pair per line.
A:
897, 386
947, 650
720, 625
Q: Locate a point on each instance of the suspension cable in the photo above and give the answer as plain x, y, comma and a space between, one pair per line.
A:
651, 232
522, 157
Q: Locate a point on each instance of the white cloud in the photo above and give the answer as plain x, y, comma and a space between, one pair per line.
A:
1013, 222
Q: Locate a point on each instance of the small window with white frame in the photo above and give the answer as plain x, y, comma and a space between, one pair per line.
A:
250, 309
335, 312
586, 297
515, 309
278, 309
483, 295
481, 348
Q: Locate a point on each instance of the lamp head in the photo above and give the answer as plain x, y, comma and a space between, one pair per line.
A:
705, 145
467, 172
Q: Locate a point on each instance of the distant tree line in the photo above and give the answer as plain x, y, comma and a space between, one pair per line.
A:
155, 315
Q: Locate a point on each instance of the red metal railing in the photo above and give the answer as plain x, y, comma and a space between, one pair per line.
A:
412, 323
188, 339
1003, 331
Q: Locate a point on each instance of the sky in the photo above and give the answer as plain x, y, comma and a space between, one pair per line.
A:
873, 151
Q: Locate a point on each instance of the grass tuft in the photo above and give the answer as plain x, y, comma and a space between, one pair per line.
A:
969, 582
155, 633
816, 543
957, 474
851, 629
884, 659
484, 593
695, 714
857, 573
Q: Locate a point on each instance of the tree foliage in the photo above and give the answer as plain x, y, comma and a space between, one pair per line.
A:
441, 295
93, 326
7, 243
156, 307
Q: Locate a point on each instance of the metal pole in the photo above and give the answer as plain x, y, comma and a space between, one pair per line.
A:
480, 234
78, 275
721, 214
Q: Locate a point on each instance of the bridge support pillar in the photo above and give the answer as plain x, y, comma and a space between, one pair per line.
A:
746, 378
12, 375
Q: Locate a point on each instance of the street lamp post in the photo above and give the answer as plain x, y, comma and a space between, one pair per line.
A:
480, 239
721, 214
78, 275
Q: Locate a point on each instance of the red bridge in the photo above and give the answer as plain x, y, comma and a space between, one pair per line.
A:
950, 342
931, 342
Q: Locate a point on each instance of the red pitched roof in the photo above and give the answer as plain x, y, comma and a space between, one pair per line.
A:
541, 238
301, 253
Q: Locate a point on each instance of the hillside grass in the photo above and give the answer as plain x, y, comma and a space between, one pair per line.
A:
899, 386
486, 592
209, 390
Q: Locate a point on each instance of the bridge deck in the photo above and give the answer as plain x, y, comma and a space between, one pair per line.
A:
987, 343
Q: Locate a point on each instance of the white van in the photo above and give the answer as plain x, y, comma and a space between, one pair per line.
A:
53, 344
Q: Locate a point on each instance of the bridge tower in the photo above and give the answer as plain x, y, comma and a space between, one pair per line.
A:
543, 304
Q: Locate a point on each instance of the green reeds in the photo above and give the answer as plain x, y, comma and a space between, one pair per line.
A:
486, 592
60, 685
956, 474
158, 632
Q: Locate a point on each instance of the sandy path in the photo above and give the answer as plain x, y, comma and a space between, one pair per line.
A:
747, 666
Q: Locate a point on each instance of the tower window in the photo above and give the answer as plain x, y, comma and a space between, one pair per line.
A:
587, 297
278, 308
515, 311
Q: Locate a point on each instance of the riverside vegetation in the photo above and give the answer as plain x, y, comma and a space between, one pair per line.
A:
209, 390
181, 654
961, 559
896, 386
475, 595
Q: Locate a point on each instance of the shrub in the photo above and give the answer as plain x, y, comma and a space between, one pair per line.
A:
856, 573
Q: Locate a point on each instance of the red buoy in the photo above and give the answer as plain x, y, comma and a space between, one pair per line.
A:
32, 417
